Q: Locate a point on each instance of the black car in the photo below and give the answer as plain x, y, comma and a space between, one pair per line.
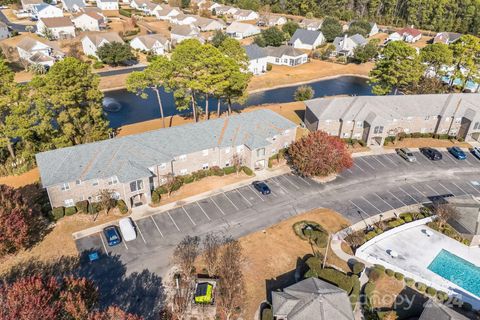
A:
431, 153
261, 187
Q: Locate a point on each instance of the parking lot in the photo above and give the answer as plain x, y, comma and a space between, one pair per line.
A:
374, 184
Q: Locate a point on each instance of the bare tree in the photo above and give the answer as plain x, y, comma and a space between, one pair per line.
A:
211, 247
444, 213
170, 183
237, 161
106, 200
181, 299
231, 286
185, 254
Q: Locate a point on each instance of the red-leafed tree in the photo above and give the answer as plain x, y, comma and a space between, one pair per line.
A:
18, 220
113, 313
78, 296
319, 154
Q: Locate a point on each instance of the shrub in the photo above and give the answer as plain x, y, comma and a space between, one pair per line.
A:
390, 272
70, 211
358, 267
161, 190
269, 67
375, 274
58, 213
330, 275
156, 197
82, 206
466, 306
355, 294
216, 171
409, 282
304, 93
189, 178
229, 170
395, 223
431, 291
178, 183
122, 206
247, 171
442, 296
399, 276
379, 267
267, 314
368, 290
370, 235
407, 217
421, 286
124, 12
97, 64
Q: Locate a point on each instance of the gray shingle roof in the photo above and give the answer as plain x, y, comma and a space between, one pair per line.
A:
69, 4
129, 157
437, 311
306, 36
255, 52
283, 50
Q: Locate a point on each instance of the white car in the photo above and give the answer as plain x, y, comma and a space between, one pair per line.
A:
476, 152
127, 229
406, 154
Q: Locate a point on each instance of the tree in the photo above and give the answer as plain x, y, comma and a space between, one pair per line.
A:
47, 33
361, 27
290, 27
106, 200
156, 75
271, 37
237, 162
116, 53
185, 254
211, 246
218, 37
399, 67
466, 59
113, 313
331, 28
362, 54
304, 93
426, 85
444, 213
233, 49
319, 154
437, 56
236, 90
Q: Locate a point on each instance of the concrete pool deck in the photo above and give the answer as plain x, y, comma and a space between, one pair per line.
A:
415, 252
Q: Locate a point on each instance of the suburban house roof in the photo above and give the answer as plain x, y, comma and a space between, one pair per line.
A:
203, 22
341, 43
468, 219
271, 19
3, 25
99, 37
166, 9
239, 27
438, 311
92, 14
116, 1
149, 40
311, 23
28, 43
243, 13
312, 299
30, 2
69, 4
57, 22
129, 157
284, 50
305, 36
254, 51
410, 31
184, 30
447, 37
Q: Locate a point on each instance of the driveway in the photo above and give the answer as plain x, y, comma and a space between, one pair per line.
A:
14, 26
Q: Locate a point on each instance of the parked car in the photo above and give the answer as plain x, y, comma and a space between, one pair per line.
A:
406, 154
127, 229
476, 152
432, 154
262, 187
457, 153
112, 235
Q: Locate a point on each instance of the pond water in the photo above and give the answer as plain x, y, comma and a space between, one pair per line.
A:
135, 109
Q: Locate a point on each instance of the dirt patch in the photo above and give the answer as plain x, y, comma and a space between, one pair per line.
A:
27, 178
386, 290
160, 27
427, 142
14, 19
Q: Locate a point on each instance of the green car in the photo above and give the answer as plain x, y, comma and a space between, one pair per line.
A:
204, 293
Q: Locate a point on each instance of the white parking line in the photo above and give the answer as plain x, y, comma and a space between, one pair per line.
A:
206, 215
238, 191
256, 193
139, 231
435, 193
451, 157
393, 162
466, 160
398, 199
233, 204
349, 171
459, 187
125, 244
304, 180
157, 227
408, 194
288, 180
448, 190
472, 187
368, 164
366, 200
376, 159
360, 209
104, 246
217, 206
193, 222
388, 204
173, 221
356, 165
423, 194
279, 185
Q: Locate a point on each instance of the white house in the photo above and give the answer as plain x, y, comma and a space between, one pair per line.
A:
447, 37
286, 55
4, 32
183, 19
245, 15
183, 32
89, 21
107, 4
345, 46
306, 39
240, 30
146, 6
409, 35
272, 21
92, 42
28, 5
167, 13
44, 10
58, 27
213, 6
37, 52
311, 24
154, 43
73, 5
257, 59
225, 10
206, 24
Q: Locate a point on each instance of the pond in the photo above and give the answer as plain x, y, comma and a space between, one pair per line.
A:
135, 109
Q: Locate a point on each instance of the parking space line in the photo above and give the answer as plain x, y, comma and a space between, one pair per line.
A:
368, 164
139, 231
304, 180
423, 194
349, 171
459, 187
168, 212
472, 187
448, 190
193, 222
393, 162
125, 244
380, 211
354, 164
238, 191
466, 160
206, 215
360, 209
398, 199
104, 246
451, 157
155, 223
376, 159
233, 204
293, 184
434, 192
215, 203
256, 193
279, 185
408, 194
388, 204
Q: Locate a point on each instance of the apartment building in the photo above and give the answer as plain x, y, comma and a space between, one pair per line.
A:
373, 118
134, 165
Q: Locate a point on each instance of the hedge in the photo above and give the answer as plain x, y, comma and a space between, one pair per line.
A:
390, 272
368, 290
122, 206
330, 275
375, 274
358, 267
399, 276
156, 197
407, 217
442, 296
370, 235
355, 294
247, 171
70, 211
395, 223
267, 314
58, 213
82, 206
431, 291
124, 12
421, 286
409, 281
229, 170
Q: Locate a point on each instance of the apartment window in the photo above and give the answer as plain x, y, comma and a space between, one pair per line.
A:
136, 185
458, 120
378, 129
345, 134
277, 60
227, 150
112, 180
95, 182
476, 126
69, 203
183, 171
427, 118
205, 166
261, 152
359, 124
239, 148
163, 166
65, 187
77, 182
182, 157
116, 195
227, 164
205, 152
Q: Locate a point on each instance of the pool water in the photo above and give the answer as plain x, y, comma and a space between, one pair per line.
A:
457, 270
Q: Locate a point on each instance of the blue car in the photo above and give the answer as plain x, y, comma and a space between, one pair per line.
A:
262, 187
112, 235
457, 153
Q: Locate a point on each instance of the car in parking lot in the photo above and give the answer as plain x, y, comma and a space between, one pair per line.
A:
406, 154
262, 187
432, 154
476, 152
457, 153
112, 235
127, 229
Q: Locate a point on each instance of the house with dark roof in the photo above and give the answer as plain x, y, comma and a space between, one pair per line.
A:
345, 46
133, 165
311, 299
409, 35
446, 37
306, 39
4, 32
258, 58
437, 311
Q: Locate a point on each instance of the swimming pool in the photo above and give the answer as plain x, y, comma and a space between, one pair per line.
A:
457, 270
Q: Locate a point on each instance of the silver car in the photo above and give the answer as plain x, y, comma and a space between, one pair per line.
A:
406, 154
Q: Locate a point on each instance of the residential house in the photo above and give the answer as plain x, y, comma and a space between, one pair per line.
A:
437, 311
133, 165
73, 5
183, 19
373, 28
146, 6
28, 5
57, 27
212, 7
306, 39
107, 4
44, 10
239, 30
206, 24
153, 43
89, 20
373, 118
446, 37
258, 59
245, 15
225, 10
183, 32
286, 56
38, 52
311, 24
272, 20
167, 12
92, 42
467, 220
345, 46
409, 35
311, 299
4, 32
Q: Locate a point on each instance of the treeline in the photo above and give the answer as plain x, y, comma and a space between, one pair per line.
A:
446, 15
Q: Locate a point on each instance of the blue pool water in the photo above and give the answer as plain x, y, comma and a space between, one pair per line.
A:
457, 270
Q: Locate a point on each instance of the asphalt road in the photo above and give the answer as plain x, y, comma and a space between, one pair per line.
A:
14, 26
121, 71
